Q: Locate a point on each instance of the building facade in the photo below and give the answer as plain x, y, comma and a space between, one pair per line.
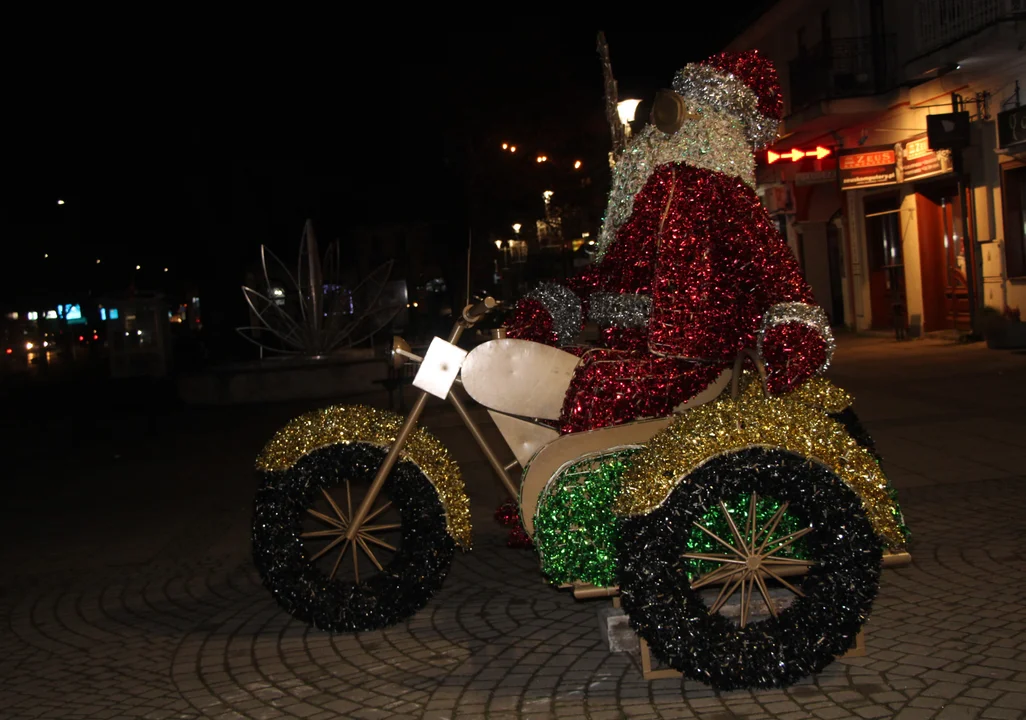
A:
900, 175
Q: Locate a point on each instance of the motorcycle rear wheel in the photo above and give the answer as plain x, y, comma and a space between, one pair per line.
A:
832, 600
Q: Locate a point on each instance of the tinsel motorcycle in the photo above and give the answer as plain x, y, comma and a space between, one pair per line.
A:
744, 535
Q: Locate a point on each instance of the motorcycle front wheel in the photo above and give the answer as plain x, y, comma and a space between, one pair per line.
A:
384, 575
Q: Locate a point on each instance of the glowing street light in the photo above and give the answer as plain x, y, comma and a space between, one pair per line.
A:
548, 196
626, 110
512, 148
516, 228
498, 244
165, 269
542, 158
577, 165
46, 255
138, 267
97, 261
60, 202
505, 146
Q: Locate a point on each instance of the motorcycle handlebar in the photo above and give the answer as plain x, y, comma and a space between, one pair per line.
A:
473, 313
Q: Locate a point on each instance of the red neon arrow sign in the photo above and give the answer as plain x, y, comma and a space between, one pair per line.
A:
795, 154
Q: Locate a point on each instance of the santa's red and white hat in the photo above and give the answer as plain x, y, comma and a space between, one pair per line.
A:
744, 84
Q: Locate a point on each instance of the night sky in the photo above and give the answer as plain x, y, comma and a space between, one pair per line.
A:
164, 164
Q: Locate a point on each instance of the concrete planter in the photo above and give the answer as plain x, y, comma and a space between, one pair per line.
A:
282, 379
1006, 336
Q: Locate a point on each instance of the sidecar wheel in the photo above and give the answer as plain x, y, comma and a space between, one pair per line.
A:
677, 606
300, 550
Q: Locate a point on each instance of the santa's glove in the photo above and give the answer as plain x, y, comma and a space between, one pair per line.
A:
795, 343
549, 314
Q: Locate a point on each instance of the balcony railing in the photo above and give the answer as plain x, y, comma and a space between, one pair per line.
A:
843, 68
938, 23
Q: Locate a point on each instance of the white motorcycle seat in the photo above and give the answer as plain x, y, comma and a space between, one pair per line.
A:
519, 377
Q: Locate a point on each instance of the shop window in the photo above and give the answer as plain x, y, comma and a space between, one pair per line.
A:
1015, 220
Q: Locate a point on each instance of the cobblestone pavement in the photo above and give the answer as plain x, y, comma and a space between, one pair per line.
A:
128, 593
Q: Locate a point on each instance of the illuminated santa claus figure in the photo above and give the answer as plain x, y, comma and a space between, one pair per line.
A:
690, 269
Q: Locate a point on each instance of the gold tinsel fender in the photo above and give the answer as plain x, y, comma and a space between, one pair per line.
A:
358, 423
797, 422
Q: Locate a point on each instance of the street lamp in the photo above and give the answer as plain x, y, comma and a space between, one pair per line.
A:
626, 110
60, 202
516, 228
577, 165
547, 195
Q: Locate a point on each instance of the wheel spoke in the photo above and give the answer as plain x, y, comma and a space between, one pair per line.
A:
752, 520
370, 554
767, 530
725, 593
790, 540
773, 560
713, 558
349, 499
724, 573
746, 598
326, 518
376, 541
356, 563
328, 547
770, 605
380, 528
377, 512
335, 507
338, 560
733, 528
322, 533
718, 539
783, 582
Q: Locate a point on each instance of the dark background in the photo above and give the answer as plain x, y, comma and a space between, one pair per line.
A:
191, 162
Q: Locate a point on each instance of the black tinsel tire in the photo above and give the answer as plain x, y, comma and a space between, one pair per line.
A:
775, 652
417, 568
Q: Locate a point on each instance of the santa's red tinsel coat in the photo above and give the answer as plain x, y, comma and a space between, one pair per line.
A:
701, 245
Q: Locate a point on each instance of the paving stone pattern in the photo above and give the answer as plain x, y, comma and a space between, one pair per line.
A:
155, 611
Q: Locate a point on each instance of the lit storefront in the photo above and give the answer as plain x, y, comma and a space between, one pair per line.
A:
906, 233
908, 212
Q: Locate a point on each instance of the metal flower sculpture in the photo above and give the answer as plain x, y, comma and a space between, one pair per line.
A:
312, 312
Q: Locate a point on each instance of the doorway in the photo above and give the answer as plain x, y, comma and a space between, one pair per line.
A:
888, 303
939, 210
